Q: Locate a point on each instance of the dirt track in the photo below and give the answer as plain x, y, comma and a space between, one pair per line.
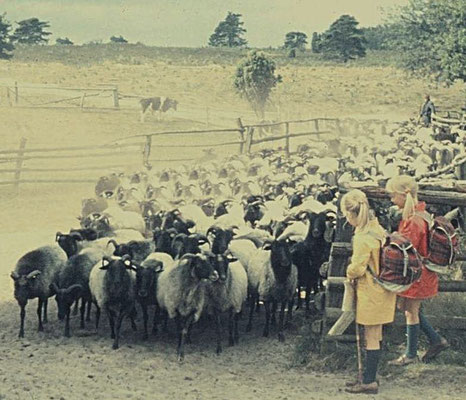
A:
48, 366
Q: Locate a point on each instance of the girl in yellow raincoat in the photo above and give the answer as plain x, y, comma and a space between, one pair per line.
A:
375, 305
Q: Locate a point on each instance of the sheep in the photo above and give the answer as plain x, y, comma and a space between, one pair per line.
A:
113, 288
181, 292
146, 288
33, 277
228, 293
73, 284
273, 278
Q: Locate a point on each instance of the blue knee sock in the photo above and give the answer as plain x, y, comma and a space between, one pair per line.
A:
426, 327
411, 347
370, 367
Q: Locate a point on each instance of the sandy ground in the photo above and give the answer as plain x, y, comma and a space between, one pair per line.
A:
48, 366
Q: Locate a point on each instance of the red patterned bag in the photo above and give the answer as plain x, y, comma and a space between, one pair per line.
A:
443, 243
400, 264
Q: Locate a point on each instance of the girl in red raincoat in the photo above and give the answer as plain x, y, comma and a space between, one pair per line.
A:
403, 193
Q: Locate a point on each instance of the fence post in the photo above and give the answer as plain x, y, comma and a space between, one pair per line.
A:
241, 133
82, 100
19, 162
287, 139
146, 152
16, 93
249, 139
316, 124
8, 96
116, 100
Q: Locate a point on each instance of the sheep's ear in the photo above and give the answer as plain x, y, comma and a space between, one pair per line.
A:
105, 263
267, 246
230, 258
58, 236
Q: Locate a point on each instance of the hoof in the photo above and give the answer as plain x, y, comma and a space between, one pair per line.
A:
21, 335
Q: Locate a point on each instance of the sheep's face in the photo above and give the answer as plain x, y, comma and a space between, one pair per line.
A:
254, 212
116, 279
25, 286
280, 259
65, 299
202, 269
68, 243
146, 279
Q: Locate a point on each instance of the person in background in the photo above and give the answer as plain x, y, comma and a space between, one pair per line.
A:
375, 306
427, 110
403, 193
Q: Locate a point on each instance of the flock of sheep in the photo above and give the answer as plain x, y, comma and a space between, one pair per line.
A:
209, 238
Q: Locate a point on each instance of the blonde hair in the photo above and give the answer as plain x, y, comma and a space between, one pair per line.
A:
355, 202
407, 185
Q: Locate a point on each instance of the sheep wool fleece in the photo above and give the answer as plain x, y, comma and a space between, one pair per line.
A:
375, 305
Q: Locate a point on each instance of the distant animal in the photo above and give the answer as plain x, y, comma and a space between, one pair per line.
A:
160, 104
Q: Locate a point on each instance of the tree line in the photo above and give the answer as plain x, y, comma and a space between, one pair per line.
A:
428, 36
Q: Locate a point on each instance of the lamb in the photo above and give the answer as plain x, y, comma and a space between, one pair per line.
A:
113, 288
33, 277
273, 278
73, 284
181, 291
228, 293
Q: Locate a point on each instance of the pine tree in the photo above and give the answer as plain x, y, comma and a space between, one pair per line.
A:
6, 47
295, 41
31, 31
228, 32
343, 40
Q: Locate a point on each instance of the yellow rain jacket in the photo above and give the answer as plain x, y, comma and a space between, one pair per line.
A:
375, 305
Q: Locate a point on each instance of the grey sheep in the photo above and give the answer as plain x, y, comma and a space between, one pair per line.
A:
182, 292
33, 277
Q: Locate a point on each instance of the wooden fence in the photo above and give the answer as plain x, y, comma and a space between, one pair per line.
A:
45, 95
341, 252
146, 149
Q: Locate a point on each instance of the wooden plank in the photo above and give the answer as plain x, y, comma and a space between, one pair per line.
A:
73, 148
49, 157
273, 138
444, 322
68, 169
429, 196
19, 161
22, 181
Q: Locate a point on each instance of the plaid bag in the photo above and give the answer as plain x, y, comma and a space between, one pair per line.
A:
443, 243
400, 264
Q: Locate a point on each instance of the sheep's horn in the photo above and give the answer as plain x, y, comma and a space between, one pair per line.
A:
112, 241
212, 230
76, 235
33, 274
14, 275
72, 287
55, 287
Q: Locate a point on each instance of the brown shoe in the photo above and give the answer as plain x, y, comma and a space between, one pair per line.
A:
403, 360
357, 382
434, 350
366, 388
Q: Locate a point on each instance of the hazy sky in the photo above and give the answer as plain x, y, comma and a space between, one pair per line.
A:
189, 23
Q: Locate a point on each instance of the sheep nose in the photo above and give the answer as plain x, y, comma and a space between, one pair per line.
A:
214, 276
